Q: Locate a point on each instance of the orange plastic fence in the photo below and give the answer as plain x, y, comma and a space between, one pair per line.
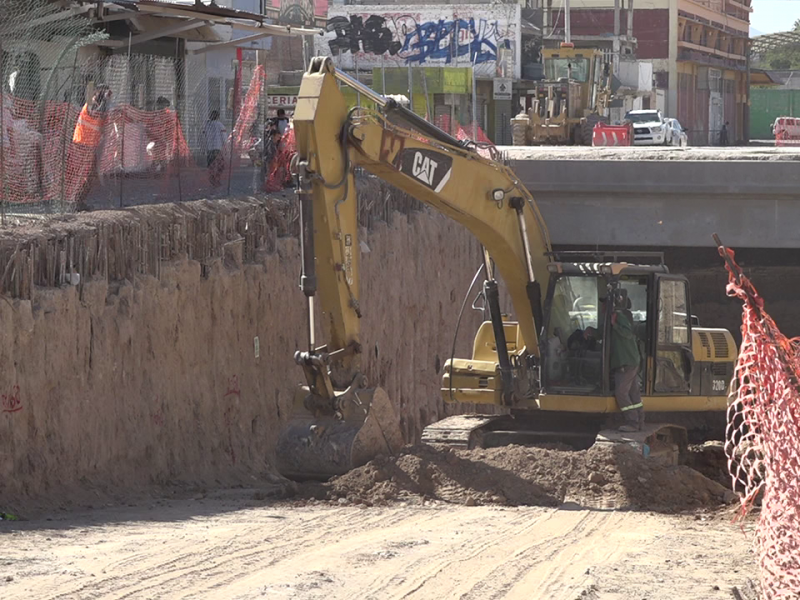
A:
40, 161
763, 436
280, 175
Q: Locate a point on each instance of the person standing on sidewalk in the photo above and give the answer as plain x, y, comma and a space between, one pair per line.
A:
214, 136
723, 134
625, 362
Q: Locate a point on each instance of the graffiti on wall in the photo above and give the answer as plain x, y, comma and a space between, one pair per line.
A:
482, 36
11, 402
231, 407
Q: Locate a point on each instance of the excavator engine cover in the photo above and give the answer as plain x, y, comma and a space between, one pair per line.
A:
323, 446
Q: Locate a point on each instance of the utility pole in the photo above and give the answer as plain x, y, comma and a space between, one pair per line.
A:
616, 43
567, 32
630, 21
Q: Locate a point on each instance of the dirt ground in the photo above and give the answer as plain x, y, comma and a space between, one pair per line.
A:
235, 546
514, 522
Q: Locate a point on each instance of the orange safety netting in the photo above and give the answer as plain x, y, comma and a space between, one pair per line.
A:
231, 154
279, 175
41, 159
763, 436
461, 132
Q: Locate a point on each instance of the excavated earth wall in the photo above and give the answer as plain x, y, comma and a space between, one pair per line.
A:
129, 352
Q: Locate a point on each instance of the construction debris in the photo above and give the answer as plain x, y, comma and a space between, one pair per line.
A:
609, 477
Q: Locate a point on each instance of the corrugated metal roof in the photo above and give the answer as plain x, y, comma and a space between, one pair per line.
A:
200, 9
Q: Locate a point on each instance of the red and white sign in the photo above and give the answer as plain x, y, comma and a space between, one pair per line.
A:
612, 135
279, 100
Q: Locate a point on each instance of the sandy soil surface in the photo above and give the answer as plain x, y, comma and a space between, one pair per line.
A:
431, 522
235, 546
747, 153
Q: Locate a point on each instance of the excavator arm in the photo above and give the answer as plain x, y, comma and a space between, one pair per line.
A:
452, 177
408, 152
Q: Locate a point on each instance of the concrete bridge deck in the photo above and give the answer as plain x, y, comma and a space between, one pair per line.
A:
664, 197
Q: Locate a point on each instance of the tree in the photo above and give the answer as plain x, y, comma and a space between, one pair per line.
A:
780, 63
796, 26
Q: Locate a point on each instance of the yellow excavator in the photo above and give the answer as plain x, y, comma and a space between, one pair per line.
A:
530, 366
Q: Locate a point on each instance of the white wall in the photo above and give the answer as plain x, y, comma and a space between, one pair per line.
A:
423, 36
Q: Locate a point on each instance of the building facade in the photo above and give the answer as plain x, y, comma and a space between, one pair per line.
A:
698, 50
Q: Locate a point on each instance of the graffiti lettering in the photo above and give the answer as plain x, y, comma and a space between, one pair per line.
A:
233, 387
12, 402
355, 35
231, 395
442, 40
485, 37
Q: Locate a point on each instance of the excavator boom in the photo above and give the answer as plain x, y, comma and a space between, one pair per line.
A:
452, 177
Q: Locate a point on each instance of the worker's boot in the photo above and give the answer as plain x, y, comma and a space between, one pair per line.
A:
627, 428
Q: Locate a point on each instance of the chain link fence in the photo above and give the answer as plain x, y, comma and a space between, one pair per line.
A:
84, 127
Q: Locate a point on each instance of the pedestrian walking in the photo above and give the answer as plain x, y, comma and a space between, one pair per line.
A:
83, 157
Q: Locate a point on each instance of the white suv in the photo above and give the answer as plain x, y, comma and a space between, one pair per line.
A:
649, 127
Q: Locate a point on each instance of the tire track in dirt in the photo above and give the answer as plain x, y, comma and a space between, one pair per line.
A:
147, 570
222, 564
491, 570
394, 553
430, 567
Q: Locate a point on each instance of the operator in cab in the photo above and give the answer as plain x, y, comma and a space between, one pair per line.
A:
582, 340
625, 362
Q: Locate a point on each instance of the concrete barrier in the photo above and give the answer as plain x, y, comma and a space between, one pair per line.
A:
751, 204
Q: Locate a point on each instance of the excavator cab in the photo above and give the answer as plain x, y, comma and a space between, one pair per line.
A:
683, 375
679, 359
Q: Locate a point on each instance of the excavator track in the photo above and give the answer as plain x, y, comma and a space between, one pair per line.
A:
662, 441
459, 431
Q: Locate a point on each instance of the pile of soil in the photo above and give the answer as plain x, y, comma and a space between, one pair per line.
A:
604, 476
710, 460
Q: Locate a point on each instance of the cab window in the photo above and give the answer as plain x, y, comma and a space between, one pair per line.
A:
672, 368
574, 356
576, 68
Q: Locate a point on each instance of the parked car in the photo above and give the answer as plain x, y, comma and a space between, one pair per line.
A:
676, 135
649, 127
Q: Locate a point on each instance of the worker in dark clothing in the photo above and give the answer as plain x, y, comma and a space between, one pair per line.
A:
272, 145
625, 362
723, 134
581, 341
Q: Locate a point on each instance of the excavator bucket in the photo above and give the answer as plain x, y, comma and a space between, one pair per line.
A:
323, 446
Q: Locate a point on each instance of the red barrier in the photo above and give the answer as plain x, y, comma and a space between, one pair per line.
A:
787, 131
612, 135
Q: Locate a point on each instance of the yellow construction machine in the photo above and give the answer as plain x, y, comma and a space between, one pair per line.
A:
550, 390
573, 97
